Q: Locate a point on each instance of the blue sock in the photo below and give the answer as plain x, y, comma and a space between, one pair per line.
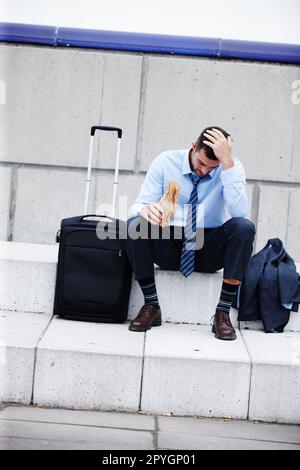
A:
149, 290
227, 296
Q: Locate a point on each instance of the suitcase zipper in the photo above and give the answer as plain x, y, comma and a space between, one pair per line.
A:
120, 252
117, 252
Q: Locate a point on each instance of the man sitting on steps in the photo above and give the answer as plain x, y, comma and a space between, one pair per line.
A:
207, 175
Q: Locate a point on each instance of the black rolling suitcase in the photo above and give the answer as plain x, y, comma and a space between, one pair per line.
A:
93, 278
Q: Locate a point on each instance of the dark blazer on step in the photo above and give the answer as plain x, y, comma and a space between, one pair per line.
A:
270, 280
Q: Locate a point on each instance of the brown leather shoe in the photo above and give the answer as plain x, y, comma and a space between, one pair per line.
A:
222, 326
148, 316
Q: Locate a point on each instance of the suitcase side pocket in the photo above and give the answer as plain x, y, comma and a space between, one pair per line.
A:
92, 275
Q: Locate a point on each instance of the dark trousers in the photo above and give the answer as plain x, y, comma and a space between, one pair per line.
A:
228, 246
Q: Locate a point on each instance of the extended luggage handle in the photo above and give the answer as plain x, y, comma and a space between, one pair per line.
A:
97, 215
107, 128
57, 237
88, 178
122, 227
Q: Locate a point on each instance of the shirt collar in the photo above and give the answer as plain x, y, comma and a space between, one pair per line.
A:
186, 169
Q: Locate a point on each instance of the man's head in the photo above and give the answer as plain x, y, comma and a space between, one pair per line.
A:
202, 158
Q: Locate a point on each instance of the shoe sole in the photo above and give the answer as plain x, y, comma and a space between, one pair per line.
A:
224, 338
156, 322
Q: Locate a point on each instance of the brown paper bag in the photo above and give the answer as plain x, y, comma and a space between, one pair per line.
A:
169, 203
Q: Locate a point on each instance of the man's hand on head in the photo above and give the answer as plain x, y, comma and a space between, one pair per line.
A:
152, 213
221, 147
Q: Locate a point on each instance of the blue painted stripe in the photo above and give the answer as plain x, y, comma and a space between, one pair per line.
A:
27, 33
137, 42
144, 42
262, 51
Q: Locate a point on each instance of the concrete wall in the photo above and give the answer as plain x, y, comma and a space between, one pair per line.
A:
53, 96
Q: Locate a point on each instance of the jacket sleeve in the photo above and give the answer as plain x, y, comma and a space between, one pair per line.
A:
152, 187
234, 190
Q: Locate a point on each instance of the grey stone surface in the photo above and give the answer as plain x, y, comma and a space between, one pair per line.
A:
293, 226
228, 428
42, 435
79, 417
247, 93
273, 215
250, 191
38, 428
28, 273
116, 440
54, 96
5, 194
44, 197
275, 376
167, 440
19, 336
22, 443
89, 366
295, 166
189, 372
120, 108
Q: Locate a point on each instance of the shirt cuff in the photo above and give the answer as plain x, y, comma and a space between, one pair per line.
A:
136, 209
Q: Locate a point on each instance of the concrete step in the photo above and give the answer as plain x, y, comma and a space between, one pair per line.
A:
29, 272
190, 372
275, 376
176, 369
102, 366
19, 336
90, 366
179, 368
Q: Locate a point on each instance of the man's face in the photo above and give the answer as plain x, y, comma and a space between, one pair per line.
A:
200, 164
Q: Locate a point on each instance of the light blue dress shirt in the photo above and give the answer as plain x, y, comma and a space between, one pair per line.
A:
221, 193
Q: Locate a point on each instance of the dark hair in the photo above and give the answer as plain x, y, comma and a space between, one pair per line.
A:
209, 153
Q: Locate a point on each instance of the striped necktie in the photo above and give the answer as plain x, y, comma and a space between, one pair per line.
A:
187, 261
